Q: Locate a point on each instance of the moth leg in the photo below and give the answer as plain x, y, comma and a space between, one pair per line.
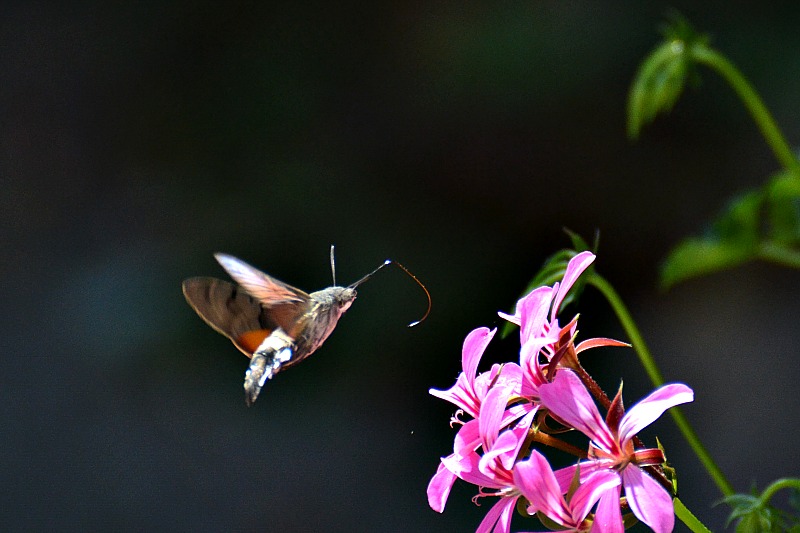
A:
276, 350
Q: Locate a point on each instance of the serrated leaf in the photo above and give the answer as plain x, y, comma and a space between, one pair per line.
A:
656, 86
733, 240
662, 75
754, 523
743, 503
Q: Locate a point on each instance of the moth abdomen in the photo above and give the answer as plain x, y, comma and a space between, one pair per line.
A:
276, 350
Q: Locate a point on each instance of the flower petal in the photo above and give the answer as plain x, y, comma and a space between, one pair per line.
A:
467, 439
498, 519
507, 446
608, 516
492, 409
439, 488
514, 319
535, 479
461, 395
474, 345
533, 310
466, 468
653, 406
591, 490
567, 398
575, 268
565, 475
532, 371
511, 376
649, 501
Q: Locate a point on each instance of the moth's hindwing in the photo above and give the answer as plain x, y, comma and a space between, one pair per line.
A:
230, 311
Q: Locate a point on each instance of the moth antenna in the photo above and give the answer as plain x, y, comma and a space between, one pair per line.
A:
333, 267
404, 269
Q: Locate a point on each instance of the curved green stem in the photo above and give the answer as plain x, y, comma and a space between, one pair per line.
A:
766, 123
652, 370
686, 516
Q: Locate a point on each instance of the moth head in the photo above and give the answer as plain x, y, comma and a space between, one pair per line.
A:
337, 299
345, 298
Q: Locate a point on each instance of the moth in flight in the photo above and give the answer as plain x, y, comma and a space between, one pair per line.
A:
271, 322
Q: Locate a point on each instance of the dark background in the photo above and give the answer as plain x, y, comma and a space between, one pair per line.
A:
136, 140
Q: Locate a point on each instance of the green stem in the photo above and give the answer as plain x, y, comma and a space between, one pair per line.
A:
686, 516
629, 325
753, 103
652, 370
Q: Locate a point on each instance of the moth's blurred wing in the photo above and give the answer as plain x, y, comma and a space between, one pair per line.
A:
231, 311
267, 290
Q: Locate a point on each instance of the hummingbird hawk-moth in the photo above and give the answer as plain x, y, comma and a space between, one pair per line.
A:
271, 322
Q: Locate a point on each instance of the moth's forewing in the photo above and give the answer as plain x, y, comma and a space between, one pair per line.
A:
285, 305
269, 291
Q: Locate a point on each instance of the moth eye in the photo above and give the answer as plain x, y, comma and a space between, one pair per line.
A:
346, 300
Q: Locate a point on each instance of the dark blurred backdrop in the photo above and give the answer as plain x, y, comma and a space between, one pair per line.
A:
457, 139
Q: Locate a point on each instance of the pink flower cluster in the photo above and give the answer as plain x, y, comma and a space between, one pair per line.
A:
493, 448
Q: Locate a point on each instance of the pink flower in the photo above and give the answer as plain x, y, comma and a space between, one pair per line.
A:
531, 314
536, 481
492, 470
468, 395
540, 333
470, 388
612, 449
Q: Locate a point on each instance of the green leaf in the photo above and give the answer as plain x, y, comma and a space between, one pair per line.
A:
751, 514
683, 514
663, 74
783, 209
733, 239
794, 499
754, 523
579, 244
656, 86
